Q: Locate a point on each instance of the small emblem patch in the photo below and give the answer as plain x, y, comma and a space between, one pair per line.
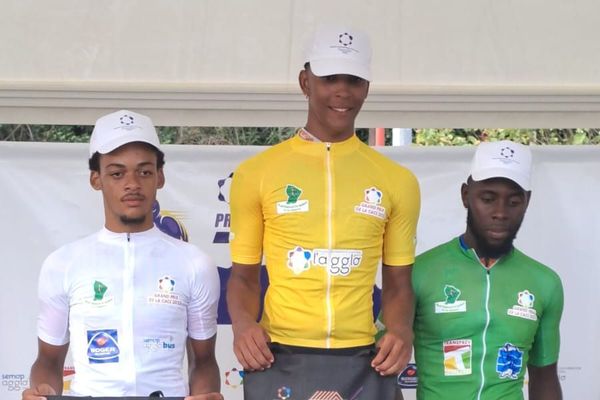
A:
457, 357
293, 203
452, 304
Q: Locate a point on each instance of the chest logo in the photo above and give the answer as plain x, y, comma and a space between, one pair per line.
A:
293, 203
165, 295
371, 204
457, 357
452, 304
524, 307
509, 362
103, 346
100, 296
338, 262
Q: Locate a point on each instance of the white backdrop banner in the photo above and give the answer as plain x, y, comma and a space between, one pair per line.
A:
46, 201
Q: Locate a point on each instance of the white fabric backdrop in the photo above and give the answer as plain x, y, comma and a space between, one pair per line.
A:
46, 201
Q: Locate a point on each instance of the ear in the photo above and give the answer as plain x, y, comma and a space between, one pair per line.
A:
527, 199
161, 179
303, 82
95, 182
464, 193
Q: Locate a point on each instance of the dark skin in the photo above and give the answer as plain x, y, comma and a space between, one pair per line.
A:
497, 207
333, 104
128, 178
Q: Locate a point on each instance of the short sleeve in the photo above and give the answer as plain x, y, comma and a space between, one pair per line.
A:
247, 221
546, 343
203, 305
53, 319
399, 240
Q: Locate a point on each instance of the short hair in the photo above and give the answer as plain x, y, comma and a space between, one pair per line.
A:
94, 161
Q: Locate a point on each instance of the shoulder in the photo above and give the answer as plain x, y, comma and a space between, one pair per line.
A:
432, 257
542, 271
384, 163
265, 158
66, 254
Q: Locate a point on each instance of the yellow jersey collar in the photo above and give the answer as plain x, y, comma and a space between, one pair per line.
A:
304, 144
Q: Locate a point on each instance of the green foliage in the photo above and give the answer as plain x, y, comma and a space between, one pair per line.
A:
268, 136
459, 137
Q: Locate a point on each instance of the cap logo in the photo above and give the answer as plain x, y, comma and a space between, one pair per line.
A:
345, 41
507, 156
126, 120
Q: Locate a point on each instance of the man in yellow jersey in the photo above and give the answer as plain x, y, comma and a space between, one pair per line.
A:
324, 209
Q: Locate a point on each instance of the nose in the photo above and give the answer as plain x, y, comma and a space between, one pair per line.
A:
132, 182
500, 210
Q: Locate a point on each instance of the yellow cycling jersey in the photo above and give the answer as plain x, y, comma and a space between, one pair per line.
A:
324, 215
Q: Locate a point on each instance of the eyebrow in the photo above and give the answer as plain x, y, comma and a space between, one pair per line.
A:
117, 165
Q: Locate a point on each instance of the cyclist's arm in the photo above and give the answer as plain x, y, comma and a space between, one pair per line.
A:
204, 371
47, 371
397, 303
243, 301
544, 383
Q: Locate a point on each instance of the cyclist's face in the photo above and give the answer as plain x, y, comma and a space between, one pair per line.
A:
333, 104
495, 209
128, 179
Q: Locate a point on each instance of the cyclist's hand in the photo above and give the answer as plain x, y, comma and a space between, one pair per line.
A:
250, 346
394, 352
207, 396
38, 392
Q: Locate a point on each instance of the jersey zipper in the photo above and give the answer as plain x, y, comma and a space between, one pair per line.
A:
484, 335
329, 246
126, 339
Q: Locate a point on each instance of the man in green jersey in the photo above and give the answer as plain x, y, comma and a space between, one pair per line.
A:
486, 312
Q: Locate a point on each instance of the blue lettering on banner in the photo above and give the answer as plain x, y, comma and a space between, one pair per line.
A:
103, 346
15, 382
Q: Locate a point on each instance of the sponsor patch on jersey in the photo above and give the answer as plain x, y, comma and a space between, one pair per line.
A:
165, 293
103, 346
451, 304
326, 395
158, 343
371, 205
100, 296
524, 309
293, 204
337, 261
458, 354
509, 362
408, 377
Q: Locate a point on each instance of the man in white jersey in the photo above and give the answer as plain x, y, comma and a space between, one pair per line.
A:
127, 300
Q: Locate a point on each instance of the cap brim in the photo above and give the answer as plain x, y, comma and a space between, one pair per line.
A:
337, 66
119, 141
490, 173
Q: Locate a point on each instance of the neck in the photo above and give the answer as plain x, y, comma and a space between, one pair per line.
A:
334, 137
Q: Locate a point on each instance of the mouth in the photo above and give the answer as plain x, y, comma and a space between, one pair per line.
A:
498, 233
341, 109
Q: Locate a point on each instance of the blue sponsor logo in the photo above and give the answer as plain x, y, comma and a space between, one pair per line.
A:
509, 362
103, 346
408, 377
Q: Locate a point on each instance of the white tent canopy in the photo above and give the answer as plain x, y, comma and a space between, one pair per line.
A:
463, 63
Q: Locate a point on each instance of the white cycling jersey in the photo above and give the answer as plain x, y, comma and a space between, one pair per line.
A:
126, 304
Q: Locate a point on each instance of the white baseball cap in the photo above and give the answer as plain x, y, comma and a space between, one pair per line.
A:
339, 50
503, 159
119, 128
